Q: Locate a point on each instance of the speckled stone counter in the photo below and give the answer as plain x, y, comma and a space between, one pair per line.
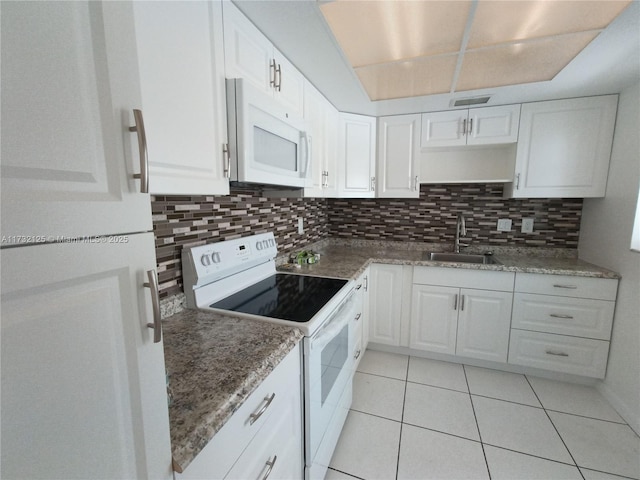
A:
348, 260
214, 363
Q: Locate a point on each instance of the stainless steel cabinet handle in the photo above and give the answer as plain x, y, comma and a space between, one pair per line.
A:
470, 126
373, 184
570, 287
464, 126
366, 284
518, 181
461, 302
557, 315
155, 299
272, 72
557, 354
142, 148
455, 302
255, 416
226, 154
278, 85
416, 185
270, 464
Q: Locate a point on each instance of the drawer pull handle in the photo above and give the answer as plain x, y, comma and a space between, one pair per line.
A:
557, 354
270, 464
357, 355
571, 287
455, 302
358, 316
557, 315
255, 416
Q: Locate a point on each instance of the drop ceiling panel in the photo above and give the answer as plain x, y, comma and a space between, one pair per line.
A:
427, 76
500, 21
519, 63
372, 32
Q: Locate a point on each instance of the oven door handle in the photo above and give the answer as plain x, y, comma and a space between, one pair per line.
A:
334, 325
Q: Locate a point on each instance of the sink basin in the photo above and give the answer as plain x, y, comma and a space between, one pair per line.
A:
459, 258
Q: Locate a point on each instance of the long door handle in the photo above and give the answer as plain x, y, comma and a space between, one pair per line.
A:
142, 148
155, 300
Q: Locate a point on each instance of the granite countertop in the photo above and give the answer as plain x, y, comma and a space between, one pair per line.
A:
349, 261
214, 363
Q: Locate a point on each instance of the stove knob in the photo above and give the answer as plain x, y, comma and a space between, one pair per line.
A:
215, 257
205, 260
259, 245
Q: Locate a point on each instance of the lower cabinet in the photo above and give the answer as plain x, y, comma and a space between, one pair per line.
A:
389, 303
264, 436
469, 322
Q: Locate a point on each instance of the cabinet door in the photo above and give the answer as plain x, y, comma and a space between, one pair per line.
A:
289, 84
398, 151
483, 324
434, 318
247, 53
493, 125
356, 156
385, 304
183, 95
83, 384
69, 84
332, 134
564, 147
444, 129
314, 115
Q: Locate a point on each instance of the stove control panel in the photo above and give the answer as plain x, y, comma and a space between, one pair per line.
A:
204, 264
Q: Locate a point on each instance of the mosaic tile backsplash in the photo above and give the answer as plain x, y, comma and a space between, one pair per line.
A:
193, 220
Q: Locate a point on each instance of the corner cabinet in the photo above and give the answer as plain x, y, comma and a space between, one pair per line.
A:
389, 300
250, 55
356, 156
398, 156
476, 126
564, 148
183, 96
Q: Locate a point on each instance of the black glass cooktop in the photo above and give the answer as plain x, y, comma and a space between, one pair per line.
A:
287, 297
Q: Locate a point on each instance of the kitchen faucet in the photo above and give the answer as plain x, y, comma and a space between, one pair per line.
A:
461, 230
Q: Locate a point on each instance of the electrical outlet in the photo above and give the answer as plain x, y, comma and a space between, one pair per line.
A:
504, 225
527, 225
300, 225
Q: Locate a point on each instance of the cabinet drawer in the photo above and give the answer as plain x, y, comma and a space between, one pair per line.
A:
219, 455
579, 317
567, 285
464, 278
276, 450
579, 356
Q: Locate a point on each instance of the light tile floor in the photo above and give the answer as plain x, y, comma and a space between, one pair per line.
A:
413, 418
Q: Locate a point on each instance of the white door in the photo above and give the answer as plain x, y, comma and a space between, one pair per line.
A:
444, 129
289, 84
357, 156
332, 133
493, 125
83, 384
564, 147
434, 318
68, 90
181, 63
315, 116
484, 323
385, 304
398, 151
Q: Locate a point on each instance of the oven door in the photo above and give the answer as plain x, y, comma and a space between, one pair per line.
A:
328, 375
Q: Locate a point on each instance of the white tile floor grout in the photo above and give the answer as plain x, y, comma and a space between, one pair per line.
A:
414, 418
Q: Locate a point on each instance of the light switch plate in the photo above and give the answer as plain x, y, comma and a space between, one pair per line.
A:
527, 225
504, 225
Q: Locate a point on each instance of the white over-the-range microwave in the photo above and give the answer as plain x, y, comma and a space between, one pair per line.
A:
267, 144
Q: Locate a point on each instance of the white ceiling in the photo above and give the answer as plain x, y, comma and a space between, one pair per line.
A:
297, 28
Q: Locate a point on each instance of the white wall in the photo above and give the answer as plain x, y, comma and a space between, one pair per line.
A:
605, 237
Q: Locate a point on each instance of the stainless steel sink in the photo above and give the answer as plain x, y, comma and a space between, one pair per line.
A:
459, 258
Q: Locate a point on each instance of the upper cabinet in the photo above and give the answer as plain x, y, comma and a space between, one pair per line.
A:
322, 120
183, 96
250, 55
476, 126
356, 156
564, 148
398, 156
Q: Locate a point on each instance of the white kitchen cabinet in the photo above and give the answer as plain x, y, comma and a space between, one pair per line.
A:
454, 313
183, 95
68, 158
398, 174
475, 126
386, 304
562, 323
245, 447
356, 156
564, 148
322, 119
250, 55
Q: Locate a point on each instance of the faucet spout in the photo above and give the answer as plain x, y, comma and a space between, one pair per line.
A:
461, 230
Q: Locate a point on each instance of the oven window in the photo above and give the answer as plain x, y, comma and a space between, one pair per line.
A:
334, 357
274, 151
